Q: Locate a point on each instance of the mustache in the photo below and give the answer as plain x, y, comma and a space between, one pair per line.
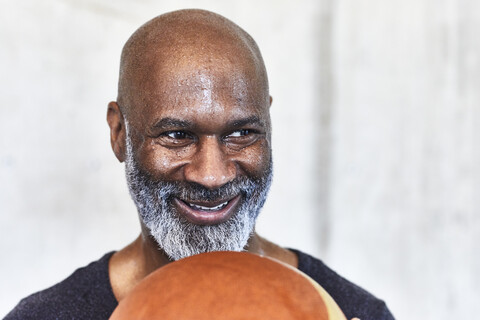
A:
191, 191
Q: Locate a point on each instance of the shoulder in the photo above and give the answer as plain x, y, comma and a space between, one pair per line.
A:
86, 294
352, 299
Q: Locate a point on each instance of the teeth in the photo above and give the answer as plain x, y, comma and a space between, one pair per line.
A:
198, 207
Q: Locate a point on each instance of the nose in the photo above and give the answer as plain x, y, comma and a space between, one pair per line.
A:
210, 166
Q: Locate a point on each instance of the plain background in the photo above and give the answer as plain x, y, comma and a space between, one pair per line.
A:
376, 118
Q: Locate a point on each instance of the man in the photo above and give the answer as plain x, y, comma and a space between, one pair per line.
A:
192, 125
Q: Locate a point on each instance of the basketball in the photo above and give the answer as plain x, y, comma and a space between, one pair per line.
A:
227, 285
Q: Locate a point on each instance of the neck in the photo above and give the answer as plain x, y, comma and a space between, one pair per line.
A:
130, 265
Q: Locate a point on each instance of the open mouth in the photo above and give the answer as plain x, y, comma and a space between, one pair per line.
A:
207, 213
205, 208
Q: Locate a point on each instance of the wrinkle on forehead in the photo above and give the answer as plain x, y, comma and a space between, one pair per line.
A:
205, 91
202, 46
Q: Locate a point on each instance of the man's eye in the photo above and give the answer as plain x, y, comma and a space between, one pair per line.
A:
242, 138
177, 135
240, 133
175, 139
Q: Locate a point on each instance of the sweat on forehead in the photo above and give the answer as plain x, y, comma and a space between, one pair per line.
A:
193, 40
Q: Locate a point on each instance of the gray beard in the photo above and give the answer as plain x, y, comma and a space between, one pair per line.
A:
178, 237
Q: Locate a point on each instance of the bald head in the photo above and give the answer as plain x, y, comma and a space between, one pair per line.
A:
191, 42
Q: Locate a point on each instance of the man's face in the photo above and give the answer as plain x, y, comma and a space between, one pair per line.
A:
198, 155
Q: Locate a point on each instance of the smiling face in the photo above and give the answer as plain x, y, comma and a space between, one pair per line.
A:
197, 128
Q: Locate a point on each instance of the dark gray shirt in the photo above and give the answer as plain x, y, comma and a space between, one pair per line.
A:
87, 294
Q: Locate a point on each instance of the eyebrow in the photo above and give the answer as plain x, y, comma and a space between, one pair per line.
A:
166, 123
252, 120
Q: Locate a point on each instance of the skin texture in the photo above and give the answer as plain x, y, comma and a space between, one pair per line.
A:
193, 94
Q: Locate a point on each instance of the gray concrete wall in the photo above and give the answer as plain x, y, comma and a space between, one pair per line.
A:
376, 123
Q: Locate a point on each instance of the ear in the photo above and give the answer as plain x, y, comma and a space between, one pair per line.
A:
117, 130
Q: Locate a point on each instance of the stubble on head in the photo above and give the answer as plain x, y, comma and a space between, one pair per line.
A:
186, 38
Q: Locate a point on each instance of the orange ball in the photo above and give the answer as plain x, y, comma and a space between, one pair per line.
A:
227, 285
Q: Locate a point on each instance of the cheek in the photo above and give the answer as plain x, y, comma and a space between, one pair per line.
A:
254, 161
161, 163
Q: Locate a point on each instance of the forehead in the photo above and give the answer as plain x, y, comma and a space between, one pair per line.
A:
200, 83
